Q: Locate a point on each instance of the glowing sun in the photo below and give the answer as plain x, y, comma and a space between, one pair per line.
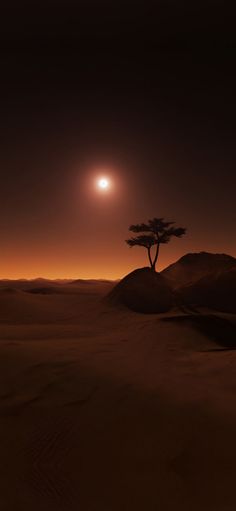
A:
103, 183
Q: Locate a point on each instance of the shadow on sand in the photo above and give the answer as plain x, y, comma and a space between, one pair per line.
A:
218, 329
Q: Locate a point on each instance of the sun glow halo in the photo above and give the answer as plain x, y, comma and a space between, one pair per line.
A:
103, 183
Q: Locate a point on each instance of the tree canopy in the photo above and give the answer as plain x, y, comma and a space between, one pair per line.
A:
155, 232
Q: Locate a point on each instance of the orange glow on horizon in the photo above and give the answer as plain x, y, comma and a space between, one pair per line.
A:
100, 265
105, 268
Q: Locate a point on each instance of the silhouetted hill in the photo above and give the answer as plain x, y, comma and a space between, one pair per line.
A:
143, 290
192, 267
216, 291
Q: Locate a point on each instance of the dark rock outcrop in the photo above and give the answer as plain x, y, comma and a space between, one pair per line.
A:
143, 290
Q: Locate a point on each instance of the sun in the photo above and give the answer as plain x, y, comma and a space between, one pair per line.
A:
103, 183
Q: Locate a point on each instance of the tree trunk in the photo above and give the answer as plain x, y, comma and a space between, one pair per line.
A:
156, 257
149, 256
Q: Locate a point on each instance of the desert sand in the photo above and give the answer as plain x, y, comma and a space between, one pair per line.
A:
104, 409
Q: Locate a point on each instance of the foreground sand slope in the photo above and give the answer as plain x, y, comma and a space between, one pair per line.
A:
104, 409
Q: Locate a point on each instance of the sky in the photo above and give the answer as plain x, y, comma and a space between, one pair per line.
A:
141, 92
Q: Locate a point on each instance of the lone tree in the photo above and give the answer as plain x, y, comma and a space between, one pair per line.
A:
155, 232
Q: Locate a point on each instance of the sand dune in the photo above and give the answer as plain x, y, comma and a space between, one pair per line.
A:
105, 409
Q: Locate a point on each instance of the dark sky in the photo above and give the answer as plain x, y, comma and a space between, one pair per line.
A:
142, 92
